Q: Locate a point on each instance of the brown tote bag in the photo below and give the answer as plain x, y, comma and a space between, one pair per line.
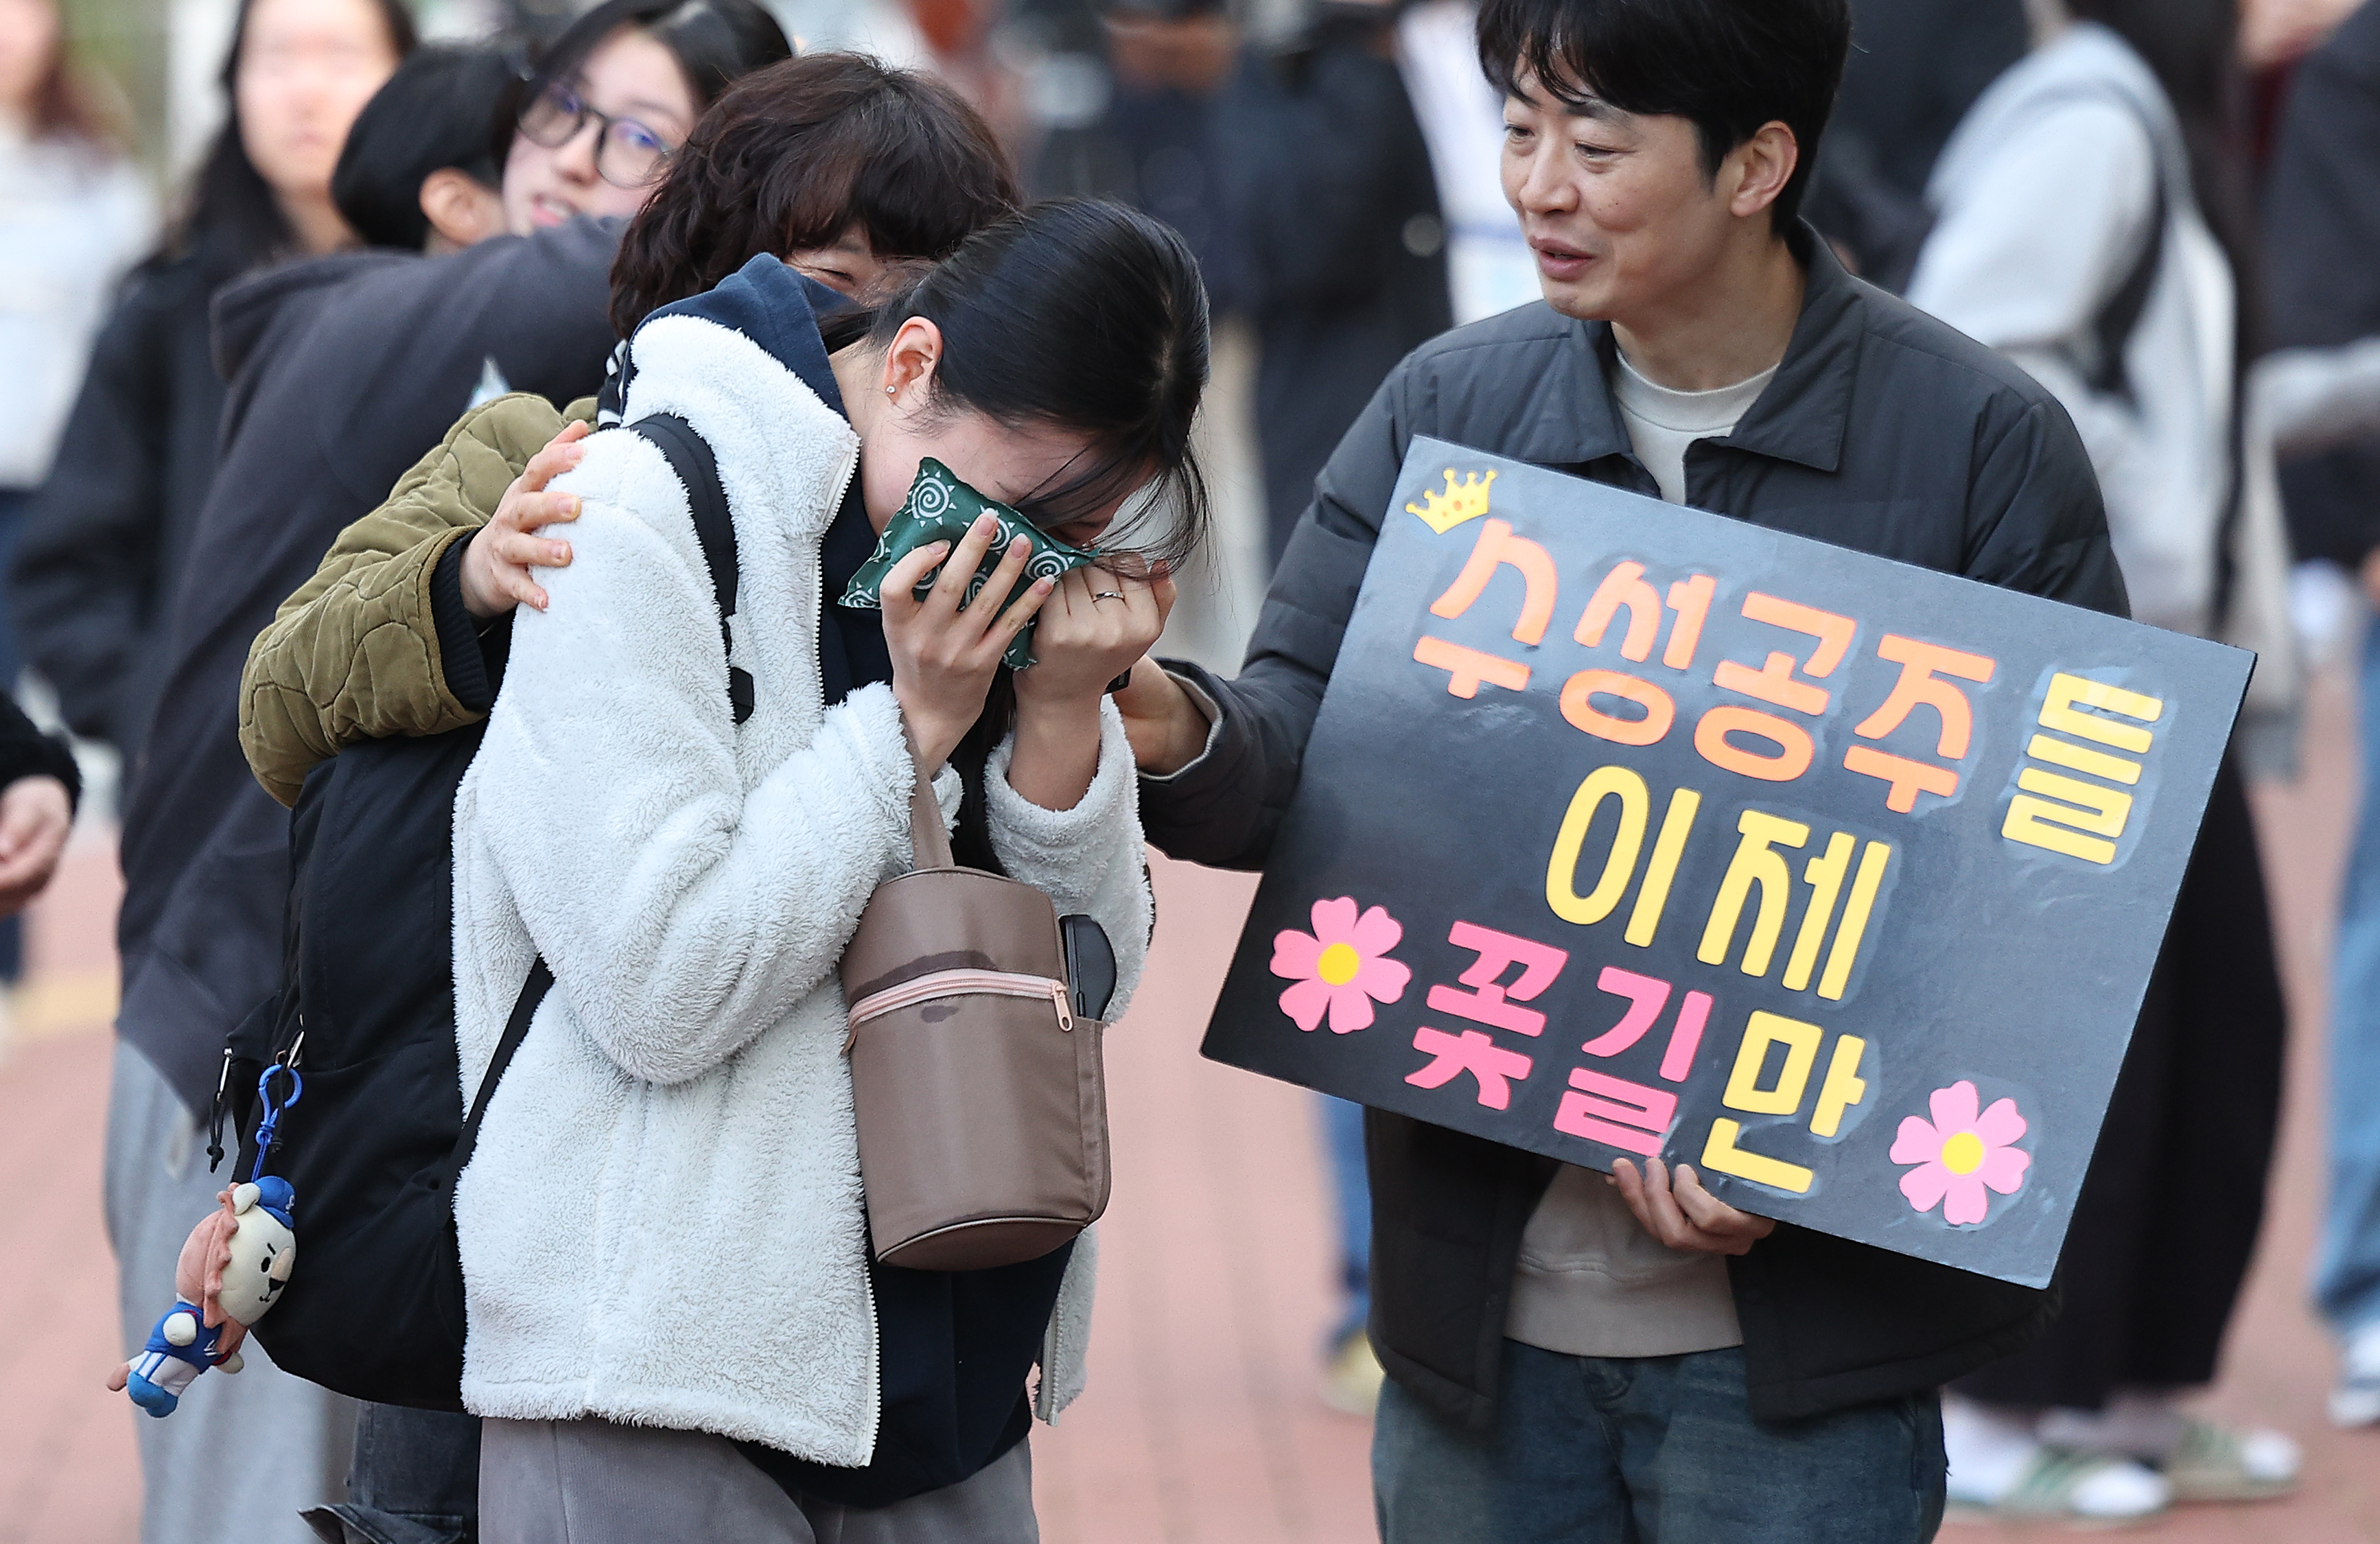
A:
981, 1093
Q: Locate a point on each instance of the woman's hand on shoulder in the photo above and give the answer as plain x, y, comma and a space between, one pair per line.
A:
496, 564
1096, 626
945, 648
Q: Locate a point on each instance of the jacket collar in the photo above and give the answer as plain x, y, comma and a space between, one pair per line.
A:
1802, 417
777, 309
1803, 413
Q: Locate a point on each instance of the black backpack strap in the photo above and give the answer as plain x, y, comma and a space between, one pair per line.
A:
689, 456
532, 993
2120, 317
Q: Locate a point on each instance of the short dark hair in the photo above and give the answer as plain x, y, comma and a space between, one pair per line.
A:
793, 155
1729, 65
1089, 316
434, 113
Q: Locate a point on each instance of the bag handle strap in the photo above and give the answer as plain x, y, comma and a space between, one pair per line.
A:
929, 840
532, 993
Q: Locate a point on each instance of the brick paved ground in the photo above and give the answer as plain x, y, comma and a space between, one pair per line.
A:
1201, 1426
68, 1475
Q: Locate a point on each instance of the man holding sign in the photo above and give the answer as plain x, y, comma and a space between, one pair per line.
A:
1573, 1358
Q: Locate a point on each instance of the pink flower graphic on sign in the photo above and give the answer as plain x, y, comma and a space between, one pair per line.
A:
1342, 968
1961, 1153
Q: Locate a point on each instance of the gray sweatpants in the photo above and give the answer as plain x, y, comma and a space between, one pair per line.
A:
244, 1450
594, 1482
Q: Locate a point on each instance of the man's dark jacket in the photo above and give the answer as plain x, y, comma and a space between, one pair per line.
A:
343, 370
105, 540
2322, 210
1334, 216
1884, 431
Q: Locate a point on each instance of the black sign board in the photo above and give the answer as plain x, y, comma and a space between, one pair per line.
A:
1632, 831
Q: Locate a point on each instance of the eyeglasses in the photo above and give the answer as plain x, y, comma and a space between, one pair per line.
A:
627, 154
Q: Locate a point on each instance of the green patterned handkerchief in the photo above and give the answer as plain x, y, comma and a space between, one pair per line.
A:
940, 508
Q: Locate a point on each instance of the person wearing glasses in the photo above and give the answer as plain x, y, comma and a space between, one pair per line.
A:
604, 114
345, 369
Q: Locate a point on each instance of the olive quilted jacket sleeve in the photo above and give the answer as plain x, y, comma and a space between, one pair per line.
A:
356, 653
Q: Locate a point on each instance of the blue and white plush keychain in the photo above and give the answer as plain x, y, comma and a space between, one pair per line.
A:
232, 1269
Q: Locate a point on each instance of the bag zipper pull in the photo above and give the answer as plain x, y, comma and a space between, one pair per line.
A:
1058, 994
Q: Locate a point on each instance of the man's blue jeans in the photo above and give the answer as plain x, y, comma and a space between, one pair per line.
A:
1653, 1450
2346, 1282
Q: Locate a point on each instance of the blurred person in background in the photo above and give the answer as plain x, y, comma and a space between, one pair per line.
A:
345, 370
1328, 188
2089, 224
2322, 214
74, 216
95, 572
38, 786
1490, 268
1917, 66
1341, 251
2275, 34
1361, 179
1359, 168
1151, 143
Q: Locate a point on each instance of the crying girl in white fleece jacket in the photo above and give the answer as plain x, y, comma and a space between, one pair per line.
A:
674, 1328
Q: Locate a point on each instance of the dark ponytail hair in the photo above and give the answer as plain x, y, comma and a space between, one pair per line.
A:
793, 155
231, 217
1088, 316
1084, 316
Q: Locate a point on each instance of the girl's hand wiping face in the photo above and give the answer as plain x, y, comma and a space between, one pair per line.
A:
945, 648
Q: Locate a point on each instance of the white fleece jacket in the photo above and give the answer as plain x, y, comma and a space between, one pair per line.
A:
661, 1224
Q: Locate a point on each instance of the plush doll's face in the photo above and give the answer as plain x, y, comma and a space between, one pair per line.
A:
261, 1254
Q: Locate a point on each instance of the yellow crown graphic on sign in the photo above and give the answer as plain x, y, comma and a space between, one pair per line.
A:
1461, 501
